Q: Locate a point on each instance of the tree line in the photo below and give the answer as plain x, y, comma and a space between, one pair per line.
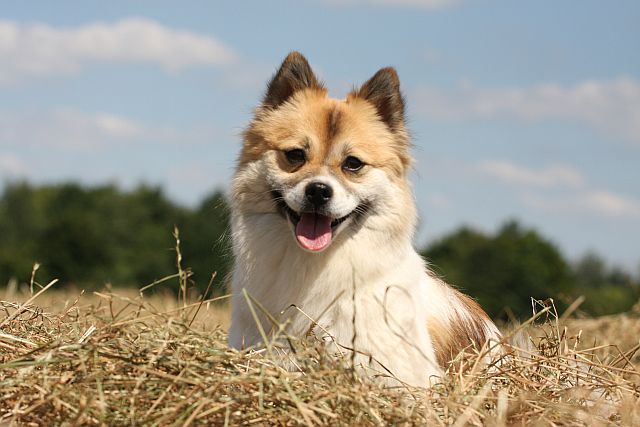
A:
92, 236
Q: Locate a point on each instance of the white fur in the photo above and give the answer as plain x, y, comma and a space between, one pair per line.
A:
371, 267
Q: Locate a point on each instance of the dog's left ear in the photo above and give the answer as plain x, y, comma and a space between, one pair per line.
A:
383, 91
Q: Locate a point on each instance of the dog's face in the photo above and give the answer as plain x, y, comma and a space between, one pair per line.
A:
326, 165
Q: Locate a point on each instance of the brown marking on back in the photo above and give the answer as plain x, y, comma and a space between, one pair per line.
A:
452, 336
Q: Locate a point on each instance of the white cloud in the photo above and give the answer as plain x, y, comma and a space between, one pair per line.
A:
117, 127
599, 202
187, 181
67, 129
559, 188
612, 106
11, 166
610, 204
93, 148
39, 49
427, 4
548, 177
70, 129
438, 201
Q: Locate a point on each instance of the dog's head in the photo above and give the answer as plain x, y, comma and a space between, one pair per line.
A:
327, 165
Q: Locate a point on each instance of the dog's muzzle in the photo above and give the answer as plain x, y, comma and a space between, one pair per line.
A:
313, 227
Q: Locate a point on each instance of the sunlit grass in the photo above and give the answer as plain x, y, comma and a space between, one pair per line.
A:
119, 357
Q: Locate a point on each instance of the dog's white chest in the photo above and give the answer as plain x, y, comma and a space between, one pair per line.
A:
380, 313
386, 329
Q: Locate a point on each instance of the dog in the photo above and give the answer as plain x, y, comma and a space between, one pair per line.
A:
322, 223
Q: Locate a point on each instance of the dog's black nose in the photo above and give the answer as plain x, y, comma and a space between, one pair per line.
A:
318, 193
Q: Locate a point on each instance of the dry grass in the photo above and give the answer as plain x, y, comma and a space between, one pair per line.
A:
119, 358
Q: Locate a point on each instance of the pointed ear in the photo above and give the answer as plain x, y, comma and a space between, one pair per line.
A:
383, 91
294, 74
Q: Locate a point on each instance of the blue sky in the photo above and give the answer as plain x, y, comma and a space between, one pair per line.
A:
527, 110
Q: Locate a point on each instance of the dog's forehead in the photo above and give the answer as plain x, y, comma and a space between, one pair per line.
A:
325, 123
323, 118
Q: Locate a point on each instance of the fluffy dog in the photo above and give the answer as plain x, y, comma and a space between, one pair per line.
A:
323, 217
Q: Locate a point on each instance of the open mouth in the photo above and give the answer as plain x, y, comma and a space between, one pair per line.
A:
313, 230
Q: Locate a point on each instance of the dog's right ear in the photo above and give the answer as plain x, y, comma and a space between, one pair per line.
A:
383, 92
294, 74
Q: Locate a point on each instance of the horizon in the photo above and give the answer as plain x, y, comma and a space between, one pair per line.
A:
421, 246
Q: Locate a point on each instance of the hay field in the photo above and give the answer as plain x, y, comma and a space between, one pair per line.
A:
117, 357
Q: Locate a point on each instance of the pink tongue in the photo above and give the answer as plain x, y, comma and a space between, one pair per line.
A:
314, 231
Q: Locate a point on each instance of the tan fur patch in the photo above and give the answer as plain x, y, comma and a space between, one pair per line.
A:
461, 332
330, 129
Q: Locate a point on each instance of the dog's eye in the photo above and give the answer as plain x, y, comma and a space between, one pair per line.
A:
352, 164
295, 156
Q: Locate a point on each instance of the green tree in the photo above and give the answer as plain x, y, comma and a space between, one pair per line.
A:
20, 222
607, 290
207, 245
590, 271
91, 236
502, 271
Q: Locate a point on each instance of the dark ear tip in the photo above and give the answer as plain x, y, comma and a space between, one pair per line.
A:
295, 56
383, 91
388, 73
294, 74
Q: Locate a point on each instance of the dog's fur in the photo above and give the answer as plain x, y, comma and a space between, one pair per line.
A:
365, 289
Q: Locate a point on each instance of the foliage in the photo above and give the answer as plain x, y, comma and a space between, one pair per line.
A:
206, 244
89, 236
606, 290
504, 270
92, 236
